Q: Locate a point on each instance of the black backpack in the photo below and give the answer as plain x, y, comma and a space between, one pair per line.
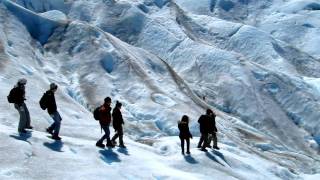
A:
43, 102
96, 113
12, 96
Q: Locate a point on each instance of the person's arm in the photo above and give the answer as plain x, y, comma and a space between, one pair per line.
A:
200, 119
190, 135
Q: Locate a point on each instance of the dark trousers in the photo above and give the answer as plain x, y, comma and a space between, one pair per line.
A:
203, 141
182, 144
55, 126
119, 133
106, 134
213, 137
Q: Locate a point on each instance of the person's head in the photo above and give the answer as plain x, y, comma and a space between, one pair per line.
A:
53, 87
185, 119
209, 112
118, 105
22, 82
107, 101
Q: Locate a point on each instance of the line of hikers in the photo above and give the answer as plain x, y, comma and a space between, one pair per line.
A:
208, 132
48, 102
103, 114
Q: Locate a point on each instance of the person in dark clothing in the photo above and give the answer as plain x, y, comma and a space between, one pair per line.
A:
213, 132
105, 120
117, 125
51, 106
18, 93
205, 129
184, 134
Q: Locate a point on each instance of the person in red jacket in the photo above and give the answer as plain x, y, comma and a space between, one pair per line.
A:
105, 120
185, 134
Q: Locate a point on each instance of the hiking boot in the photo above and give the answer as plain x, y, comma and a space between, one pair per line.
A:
188, 152
216, 147
109, 144
56, 137
208, 146
99, 144
114, 142
122, 146
50, 131
204, 150
199, 146
30, 127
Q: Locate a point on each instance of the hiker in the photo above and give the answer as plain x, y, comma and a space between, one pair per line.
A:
205, 122
185, 134
105, 120
17, 96
49, 102
213, 131
117, 125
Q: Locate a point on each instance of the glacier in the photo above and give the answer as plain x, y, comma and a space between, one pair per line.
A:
254, 62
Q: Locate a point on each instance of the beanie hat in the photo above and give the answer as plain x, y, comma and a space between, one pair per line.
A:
118, 104
107, 100
53, 86
22, 81
209, 111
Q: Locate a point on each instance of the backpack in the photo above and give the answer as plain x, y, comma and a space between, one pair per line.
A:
43, 102
96, 113
12, 96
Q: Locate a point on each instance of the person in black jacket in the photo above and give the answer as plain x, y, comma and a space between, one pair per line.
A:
117, 125
18, 94
205, 129
213, 132
51, 106
185, 134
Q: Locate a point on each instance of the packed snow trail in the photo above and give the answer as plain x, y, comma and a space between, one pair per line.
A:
155, 91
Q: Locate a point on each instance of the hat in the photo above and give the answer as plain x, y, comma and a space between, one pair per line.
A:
209, 111
118, 104
53, 86
107, 100
22, 81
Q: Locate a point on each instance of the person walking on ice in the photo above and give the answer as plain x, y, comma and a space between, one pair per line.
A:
48, 102
104, 113
213, 131
117, 121
17, 96
184, 134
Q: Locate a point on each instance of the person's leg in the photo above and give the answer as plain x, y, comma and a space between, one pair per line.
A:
57, 123
51, 128
28, 122
23, 118
200, 141
115, 136
188, 145
100, 141
182, 145
105, 134
209, 140
215, 140
120, 132
205, 142
109, 143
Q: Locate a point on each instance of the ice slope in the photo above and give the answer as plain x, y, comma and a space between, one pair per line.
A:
89, 64
223, 61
